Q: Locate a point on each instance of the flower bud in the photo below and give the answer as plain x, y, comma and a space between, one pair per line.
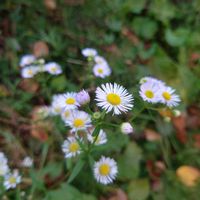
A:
83, 97
176, 113
126, 128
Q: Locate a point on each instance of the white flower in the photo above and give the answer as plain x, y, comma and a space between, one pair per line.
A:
126, 128
150, 91
68, 101
12, 179
71, 147
101, 139
27, 60
65, 115
89, 52
105, 170
114, 97
4, 169
29, 72
43, 111
101, 70
79, 120
151, 79
56, 108
53, 68
168, 97
83, 97
27, 162
100, 60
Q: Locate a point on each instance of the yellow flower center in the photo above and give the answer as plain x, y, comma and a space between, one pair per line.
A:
73, 147
67, 113
113, 99
149, 94
53, 69
30, 72
70, 101
57, 109
166, 95
78, 123
12, 180
104, 169
100, 71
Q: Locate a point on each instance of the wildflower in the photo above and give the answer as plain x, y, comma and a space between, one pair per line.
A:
71, 147
53, 68
114, 97
151, 79
27, 60
29, 72
83, 97
100, 60
89, 52
105, 170
12, 180
79, 120
56, 108
101, 70
150, 92
68, 101
65, 115
126, 128
27, 162
4, 169
101, 138
168, 97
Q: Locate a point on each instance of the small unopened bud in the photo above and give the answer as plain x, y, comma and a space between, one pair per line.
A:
41, 61
126, 128
97, 115
167, 119
83, 97
176, 113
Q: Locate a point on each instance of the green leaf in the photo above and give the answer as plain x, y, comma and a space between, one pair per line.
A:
138, 189
129, 162
76, 170
59, 83
134, 6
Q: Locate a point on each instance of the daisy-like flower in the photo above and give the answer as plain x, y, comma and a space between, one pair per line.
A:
27, 60
89, 52
101, 139
29, 72
100, 60
27, 162
56, 108
4, 169
71, 147
101, 70
12, 180
168, 96
53, 68
65, 115
105, 170
68, 101
151, 79
150, 92
83, 97
114, 97
79, 120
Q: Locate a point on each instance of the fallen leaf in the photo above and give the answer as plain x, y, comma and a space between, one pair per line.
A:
29, 85
40, 49
188, 175
118, 194
151, 135
130, 35
50, 4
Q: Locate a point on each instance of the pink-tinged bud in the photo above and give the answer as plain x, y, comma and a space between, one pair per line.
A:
126, 128
83, 97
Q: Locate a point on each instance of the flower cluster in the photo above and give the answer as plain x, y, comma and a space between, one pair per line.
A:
101, 67
154, 91
30, 66
70, 106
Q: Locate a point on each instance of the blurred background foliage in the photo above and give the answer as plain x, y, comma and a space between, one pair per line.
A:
138, 38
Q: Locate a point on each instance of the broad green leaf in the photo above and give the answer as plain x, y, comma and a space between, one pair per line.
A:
59, 83
138, 189
134, 6
129, 162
